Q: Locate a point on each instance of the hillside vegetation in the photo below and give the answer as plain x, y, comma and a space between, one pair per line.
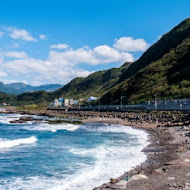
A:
164, 69
163, 46
9, 90
96, 84
169, 77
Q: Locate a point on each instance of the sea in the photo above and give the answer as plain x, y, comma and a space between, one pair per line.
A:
41, 156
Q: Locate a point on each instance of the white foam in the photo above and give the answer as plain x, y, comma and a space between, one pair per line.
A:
4, 143
51, 127
116, 129
5, 119
111, 161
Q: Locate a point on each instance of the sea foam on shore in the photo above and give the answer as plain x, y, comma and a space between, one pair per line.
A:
68, 156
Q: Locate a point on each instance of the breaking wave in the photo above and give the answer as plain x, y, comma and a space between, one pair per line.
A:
4, 143
51, 127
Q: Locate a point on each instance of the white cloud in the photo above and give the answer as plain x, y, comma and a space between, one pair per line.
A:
1, 34
62, 66
14, 54
130, 44
107, 54
99, 55
6, 81
1, 59
3, 74
73, 57
21, 34
36, 83
43, 70
59, 46
42, 37
15, 45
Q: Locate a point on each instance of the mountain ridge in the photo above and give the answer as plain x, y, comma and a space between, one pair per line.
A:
9, 90
19, 88
168, 41
168, 78
164, 69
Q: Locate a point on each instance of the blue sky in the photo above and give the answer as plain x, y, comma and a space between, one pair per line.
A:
53, 41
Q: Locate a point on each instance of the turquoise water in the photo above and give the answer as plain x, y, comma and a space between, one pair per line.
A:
66, 156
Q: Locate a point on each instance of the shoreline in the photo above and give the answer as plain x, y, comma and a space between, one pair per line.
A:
168, 156
164, 151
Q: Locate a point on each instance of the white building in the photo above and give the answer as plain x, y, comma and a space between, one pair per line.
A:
92, 98
61, 102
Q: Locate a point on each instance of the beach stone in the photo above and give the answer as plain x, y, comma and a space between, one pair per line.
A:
186, 160
142, 172
158, 171
138, 177
113, 181
121, 184
170, 178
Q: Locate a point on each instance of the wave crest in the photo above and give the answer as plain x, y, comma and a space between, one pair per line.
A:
52, 128
4, 143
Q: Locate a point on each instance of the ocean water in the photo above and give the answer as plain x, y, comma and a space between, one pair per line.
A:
66, 156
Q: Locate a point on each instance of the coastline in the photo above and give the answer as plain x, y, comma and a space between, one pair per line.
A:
165, 151
168, 157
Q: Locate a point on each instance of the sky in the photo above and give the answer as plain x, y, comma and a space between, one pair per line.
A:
54, 41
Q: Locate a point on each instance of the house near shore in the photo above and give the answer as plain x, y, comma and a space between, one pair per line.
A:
92, 98
63, 103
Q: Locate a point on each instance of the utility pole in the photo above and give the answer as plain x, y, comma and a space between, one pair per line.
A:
122, 101
79, 104
99, 103
155, 103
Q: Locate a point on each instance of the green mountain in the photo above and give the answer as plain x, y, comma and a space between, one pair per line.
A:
37, 97
167, 42
168, 77
28, 88
163, 70
140, 80
8, 90
95, 84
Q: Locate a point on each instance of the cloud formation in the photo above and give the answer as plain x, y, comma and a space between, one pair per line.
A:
20, 34
60, 66
1, 34
99, 55
42, 37
130, 44
63, 63
59, 46
3, 74
14, 54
